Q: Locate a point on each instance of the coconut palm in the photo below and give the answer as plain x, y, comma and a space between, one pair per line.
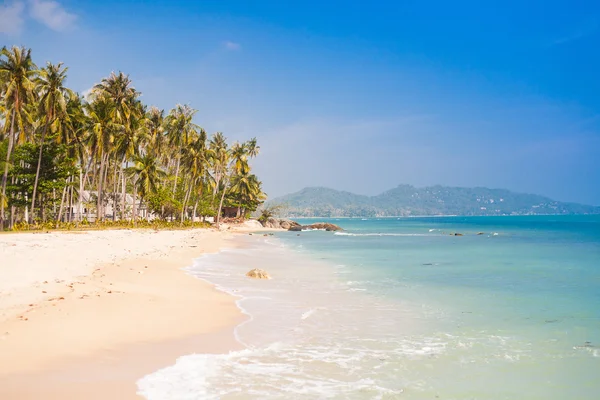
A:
127, 112
180, 129
147, 175
252, 147
52, 104
247, 189
17, 71
218, 154
119, 88
156, 129
101, 141
239, 153
221, 162
194, 160
129, 144
74, 134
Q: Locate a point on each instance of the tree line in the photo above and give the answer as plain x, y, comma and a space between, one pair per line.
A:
69, 158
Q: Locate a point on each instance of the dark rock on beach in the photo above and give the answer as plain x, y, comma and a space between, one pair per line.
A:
287, 223
325, 226
275, 223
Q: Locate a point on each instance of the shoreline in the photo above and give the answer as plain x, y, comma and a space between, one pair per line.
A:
94, 335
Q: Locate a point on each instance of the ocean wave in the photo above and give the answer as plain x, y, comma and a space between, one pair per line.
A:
328, 371
381, 234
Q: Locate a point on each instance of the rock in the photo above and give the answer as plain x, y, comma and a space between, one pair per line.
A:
258, 274
287, 223
480, 233
271, 223
326, 226
251, 224
458, 234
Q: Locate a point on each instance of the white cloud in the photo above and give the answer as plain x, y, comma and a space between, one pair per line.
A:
11, 17
51, 14
232, 46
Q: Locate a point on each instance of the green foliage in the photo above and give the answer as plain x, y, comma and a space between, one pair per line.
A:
206, 206
56, 167
84, 225
271, 210
162, 203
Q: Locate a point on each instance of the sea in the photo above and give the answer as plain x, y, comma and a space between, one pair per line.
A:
491, 308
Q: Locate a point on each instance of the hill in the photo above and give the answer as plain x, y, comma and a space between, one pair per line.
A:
407, 200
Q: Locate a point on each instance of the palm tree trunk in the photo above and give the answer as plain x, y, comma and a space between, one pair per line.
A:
134, 208
147, 210
79, 197
11, 140
185, 201
82, 184
194, 212
115, 185
105, 185
43, 208
13, 209
71, 188
123, 189
99, 211
37, 173
177, 171
221, 204
62, 202
13, 215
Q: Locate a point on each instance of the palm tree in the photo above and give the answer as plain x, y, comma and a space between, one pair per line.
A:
155, 126
247, 188
129, 144
16, 74
252, 147
180, 129
194, 159
118, 88
102, 135
220, 158
239, 152
218, 154
147, 175
52, 103
126, 113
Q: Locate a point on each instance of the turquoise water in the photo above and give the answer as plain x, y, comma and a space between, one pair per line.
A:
534, 281
404, 309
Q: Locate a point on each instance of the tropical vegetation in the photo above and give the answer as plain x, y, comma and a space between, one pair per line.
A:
107, 157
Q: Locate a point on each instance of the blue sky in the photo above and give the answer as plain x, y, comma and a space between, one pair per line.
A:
359, 96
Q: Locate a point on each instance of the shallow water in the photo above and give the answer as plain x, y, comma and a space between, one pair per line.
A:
398, 308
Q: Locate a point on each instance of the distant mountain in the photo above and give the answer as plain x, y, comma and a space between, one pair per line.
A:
406, 200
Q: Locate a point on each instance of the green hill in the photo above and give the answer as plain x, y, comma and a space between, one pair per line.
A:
406, 200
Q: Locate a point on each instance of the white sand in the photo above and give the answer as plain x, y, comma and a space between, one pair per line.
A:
104, 303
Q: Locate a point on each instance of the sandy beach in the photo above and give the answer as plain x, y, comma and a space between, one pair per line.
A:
86, 314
